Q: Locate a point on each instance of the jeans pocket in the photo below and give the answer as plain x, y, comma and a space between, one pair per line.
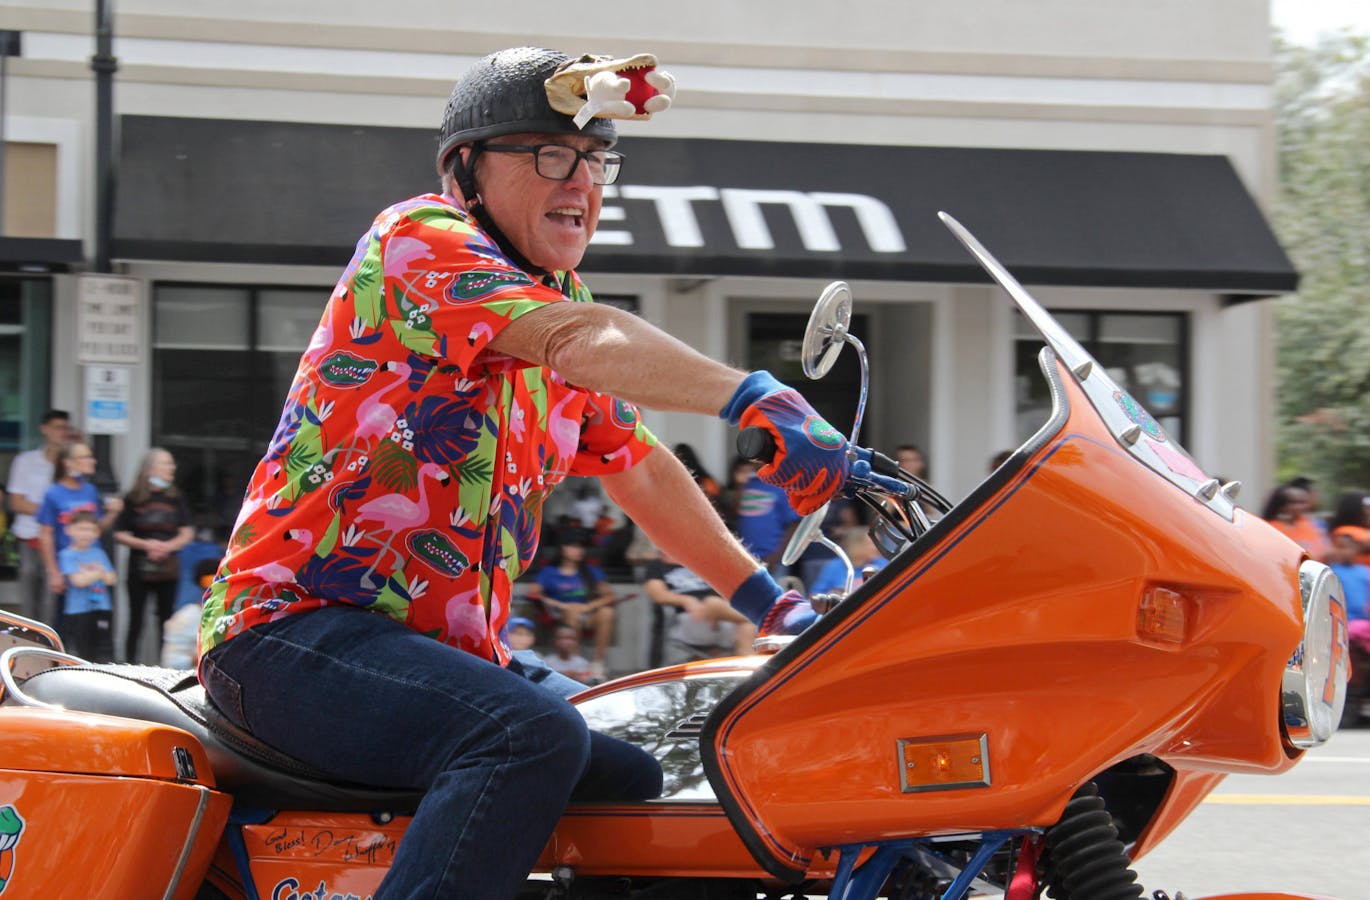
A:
224, 691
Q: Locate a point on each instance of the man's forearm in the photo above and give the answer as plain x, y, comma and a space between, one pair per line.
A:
661, 498
614, 352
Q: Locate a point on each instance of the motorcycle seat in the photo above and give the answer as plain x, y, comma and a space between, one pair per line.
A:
257, 775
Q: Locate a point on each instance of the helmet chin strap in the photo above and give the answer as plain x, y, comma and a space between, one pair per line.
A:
463, 175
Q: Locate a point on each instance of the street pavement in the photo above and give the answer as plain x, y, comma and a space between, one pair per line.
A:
1306, 831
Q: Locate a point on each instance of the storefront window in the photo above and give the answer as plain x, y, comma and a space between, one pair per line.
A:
25, 342
1146, 353
223, 358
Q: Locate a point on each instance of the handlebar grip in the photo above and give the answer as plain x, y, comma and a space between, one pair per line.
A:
756, 444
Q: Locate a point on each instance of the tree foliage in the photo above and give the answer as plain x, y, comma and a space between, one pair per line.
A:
1322, 104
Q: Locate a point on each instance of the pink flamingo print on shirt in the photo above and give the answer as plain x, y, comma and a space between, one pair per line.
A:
564, 431
396, 513
375, 417
275, 574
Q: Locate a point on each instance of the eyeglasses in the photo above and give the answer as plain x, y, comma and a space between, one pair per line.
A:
558, 162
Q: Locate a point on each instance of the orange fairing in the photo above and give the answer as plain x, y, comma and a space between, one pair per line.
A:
1024, 620
103, 808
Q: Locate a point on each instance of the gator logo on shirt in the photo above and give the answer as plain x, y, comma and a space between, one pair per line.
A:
436, 550
344, 370
625, 414
11, 829
470, 286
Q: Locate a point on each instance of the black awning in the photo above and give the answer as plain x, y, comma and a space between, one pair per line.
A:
234, 191
30, 254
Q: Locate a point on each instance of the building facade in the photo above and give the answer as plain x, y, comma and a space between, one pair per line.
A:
1114, 156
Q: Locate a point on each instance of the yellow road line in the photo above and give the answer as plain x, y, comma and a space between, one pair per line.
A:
1286, 800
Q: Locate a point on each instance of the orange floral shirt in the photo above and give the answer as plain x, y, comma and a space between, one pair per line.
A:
408, 471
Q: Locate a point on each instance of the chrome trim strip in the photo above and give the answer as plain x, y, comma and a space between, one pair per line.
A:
11, 687
193, 832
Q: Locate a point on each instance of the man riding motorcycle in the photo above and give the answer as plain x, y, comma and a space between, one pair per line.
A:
358, 620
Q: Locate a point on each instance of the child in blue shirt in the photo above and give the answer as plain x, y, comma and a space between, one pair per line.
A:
87, 620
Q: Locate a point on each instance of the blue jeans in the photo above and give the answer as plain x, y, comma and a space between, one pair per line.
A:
498, 751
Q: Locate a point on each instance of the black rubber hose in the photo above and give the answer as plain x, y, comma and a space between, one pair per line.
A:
1084, 859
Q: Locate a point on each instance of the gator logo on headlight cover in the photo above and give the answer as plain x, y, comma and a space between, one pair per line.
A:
11, 829
470, 286
436, 550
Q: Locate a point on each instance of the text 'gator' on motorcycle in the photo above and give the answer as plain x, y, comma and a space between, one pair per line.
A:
1044, 681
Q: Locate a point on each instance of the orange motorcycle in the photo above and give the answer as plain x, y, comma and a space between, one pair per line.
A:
1043, 682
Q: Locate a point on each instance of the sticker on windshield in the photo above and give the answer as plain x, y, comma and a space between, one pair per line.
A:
1177, 462
1137, 414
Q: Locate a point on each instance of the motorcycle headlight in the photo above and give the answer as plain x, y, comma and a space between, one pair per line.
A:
1314, 687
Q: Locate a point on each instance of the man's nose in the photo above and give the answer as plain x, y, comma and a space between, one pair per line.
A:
580, 175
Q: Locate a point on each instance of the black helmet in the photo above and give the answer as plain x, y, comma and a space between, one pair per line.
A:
506, 93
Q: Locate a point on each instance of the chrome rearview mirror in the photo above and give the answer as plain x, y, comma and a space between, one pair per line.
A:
809, 529
827, 331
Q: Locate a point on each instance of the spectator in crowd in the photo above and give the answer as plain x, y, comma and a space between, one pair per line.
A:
1350, 523
70, 493
730, 501
861, 550
523, 634
911, 459
1288, 508
575, 593
30, 476
154, 524
765, 521
704, 625
1349, 546
87, 613
565, 658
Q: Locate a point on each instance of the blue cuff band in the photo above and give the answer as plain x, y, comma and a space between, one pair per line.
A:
755, 386
755, 595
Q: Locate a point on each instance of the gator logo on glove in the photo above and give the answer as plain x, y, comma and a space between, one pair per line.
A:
823, 435
629, 88
810, 462
11, 828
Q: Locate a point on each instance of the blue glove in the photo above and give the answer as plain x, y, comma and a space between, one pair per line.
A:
810, 462
771, 609
790, 614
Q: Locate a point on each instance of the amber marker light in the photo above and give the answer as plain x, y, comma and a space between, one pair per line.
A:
944, 763
1162, 616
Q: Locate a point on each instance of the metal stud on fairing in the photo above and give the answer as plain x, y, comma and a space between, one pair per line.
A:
1130, 434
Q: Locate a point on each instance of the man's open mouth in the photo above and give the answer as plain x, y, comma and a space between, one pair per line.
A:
568, 216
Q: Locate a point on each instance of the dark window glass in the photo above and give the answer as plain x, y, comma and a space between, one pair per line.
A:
223, 359
775, 343
1145, 353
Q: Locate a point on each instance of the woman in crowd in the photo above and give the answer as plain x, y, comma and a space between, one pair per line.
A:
1289, 509
154, 525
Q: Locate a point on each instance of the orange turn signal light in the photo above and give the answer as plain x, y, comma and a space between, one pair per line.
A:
944, 763
1163, 616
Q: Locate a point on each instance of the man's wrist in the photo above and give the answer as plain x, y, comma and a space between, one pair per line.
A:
752, 388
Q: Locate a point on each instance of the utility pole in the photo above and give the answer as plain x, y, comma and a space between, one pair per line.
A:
104, 65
